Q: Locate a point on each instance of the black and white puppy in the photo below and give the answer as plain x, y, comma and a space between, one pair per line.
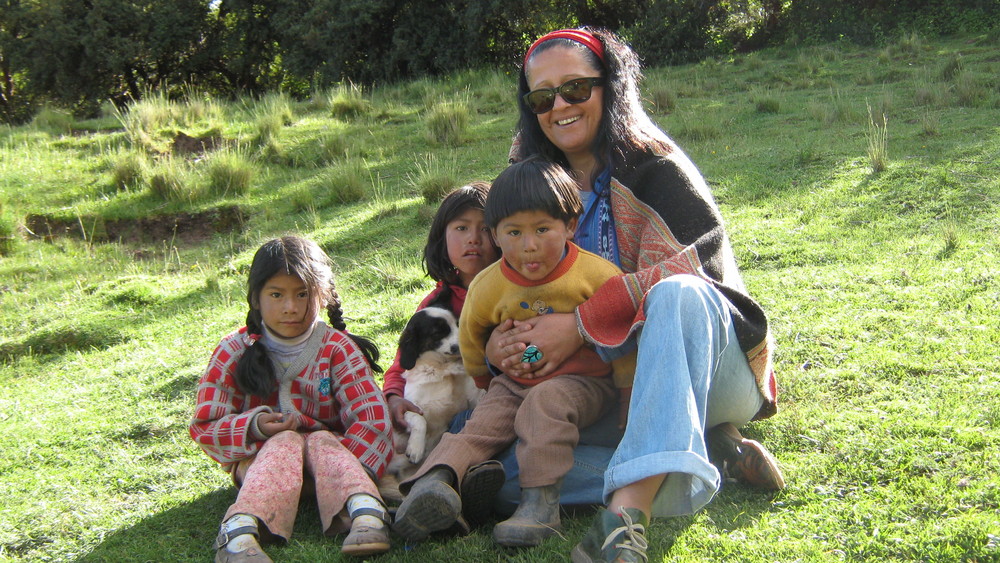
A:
435, 381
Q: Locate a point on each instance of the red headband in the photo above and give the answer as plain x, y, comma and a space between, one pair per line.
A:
582, 37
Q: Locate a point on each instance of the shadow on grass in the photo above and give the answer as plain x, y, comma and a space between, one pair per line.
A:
182, 533
186, 532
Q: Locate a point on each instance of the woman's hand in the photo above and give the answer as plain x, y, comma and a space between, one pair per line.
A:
554, 334
270, 423
398, 407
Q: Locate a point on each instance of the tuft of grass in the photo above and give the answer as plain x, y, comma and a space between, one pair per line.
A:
171, 179
807, 154
495, 92
951, 233
277, 106
765, 101
697, 129
348, 101
969, 92
806, 64
201, 107
348, 182
930, 124
333, 146
230, 172
866, 78
885, 103
908, 45
143, 120
53, 120
8, 231
663, 98
837, 109
267, 134
929, 92
433, 179
129, 169
878, 139
448, 122
951, 67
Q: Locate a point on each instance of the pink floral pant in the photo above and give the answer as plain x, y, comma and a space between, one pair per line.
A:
271, 483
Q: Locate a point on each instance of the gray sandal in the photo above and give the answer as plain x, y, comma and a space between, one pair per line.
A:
252, 554
365, 540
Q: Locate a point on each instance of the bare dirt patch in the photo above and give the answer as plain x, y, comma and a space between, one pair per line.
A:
186, 144
180, 228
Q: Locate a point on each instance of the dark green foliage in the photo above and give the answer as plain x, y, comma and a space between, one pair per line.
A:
79, 54
82, 53
873, 21
675, 31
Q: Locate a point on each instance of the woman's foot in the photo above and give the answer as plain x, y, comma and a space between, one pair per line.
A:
431, 505
614, 538
743, 459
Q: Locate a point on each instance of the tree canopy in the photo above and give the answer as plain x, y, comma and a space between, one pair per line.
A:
79, 53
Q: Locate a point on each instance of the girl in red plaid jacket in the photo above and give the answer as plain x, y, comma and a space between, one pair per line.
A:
288, 406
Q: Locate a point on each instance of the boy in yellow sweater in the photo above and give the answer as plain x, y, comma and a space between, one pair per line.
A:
532, 210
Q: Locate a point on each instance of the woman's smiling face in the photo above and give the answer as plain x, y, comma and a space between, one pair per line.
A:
572, 128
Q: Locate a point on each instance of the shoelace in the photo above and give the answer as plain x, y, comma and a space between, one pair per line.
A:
633, 536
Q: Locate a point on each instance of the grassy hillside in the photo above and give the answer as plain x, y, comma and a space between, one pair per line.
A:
861, 188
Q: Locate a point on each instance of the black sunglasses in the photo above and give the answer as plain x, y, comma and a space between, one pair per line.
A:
574, 91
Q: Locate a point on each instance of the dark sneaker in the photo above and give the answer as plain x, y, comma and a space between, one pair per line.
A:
432, 505
614, 538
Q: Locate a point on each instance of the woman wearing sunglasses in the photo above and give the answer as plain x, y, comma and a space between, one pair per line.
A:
704, 348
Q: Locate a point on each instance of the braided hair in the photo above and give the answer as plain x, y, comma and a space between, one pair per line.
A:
300, 257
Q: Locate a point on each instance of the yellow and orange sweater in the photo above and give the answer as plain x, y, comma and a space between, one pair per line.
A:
499, 293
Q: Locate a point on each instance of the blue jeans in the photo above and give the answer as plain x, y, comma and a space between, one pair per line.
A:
691, 375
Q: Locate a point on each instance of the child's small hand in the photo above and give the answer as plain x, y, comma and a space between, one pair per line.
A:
554, 334
398, 407
503, 350
270, 423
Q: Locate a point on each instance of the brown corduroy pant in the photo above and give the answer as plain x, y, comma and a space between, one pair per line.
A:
545, 418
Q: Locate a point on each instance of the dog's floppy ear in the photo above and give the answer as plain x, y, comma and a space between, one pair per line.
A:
443, 299
409, 345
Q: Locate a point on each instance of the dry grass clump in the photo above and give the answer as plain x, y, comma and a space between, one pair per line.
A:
230, 172
448, 122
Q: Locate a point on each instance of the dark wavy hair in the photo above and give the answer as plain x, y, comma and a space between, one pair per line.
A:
533, 184
295, 256
626, 132
436, 262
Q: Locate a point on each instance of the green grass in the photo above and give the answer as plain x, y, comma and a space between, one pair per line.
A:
882, 290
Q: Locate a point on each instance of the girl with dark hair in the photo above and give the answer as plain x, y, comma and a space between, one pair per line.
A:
458, 247
288, 406
704, 346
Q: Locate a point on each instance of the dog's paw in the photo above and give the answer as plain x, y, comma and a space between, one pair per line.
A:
415, 451
416, 447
